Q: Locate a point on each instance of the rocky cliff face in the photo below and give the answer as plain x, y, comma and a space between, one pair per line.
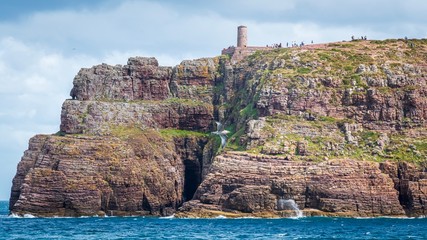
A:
73, 176
339, 130
256, 183
127, 145
136, 172
99, 117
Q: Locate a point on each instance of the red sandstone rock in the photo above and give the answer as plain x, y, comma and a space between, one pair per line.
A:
74, 176
412, 186
251, 183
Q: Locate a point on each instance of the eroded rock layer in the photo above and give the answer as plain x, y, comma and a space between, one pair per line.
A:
247, 183
99, 117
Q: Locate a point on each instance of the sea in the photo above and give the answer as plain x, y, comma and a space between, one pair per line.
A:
30, 227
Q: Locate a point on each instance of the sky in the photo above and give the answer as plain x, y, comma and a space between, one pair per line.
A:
44, 43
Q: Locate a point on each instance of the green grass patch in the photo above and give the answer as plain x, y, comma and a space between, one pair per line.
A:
60, 134
233, 142
369, 136
349, 68
303, 70
177, 133
346, 81
125, 132
249, 111
185, 101
421, 146
327, 119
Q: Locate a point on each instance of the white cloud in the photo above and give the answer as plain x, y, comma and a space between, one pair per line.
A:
133, 26
35, 79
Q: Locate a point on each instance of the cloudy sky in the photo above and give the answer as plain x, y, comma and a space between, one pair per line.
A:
44, 43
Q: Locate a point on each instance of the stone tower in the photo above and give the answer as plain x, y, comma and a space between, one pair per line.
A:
242, 36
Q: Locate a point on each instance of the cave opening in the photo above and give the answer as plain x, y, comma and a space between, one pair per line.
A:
192, 178
145, 203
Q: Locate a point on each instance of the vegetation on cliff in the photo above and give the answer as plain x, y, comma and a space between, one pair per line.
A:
364, 100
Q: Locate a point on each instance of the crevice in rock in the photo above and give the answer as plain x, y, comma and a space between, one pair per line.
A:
401, 184
191, 151
112, 204
145, 203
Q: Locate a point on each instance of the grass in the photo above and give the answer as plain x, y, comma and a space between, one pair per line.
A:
177, 133
303, 70
125, 132
421, 145
370, 135
284, 131
234, 141
249, 111
327, 119
60, 134
185, 101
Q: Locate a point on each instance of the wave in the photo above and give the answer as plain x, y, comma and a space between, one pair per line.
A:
390, 217
13, 215
251, 218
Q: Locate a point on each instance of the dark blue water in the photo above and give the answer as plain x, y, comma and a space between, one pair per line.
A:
158, 228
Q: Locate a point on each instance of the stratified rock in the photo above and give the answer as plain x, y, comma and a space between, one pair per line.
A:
194, 79
143, 79
141, 174
98, 117
255, 183
411, 184
140, 79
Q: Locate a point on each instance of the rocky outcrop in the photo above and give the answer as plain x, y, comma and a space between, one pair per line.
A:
143, 79
100, 117
376, 108
142, 174
412, 186
141, 94
338, 130
249, 183
194, 79
111, 156
140, 79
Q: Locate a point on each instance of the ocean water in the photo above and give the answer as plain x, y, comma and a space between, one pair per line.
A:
221, 228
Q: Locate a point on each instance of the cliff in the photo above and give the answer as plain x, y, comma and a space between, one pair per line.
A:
340, 129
